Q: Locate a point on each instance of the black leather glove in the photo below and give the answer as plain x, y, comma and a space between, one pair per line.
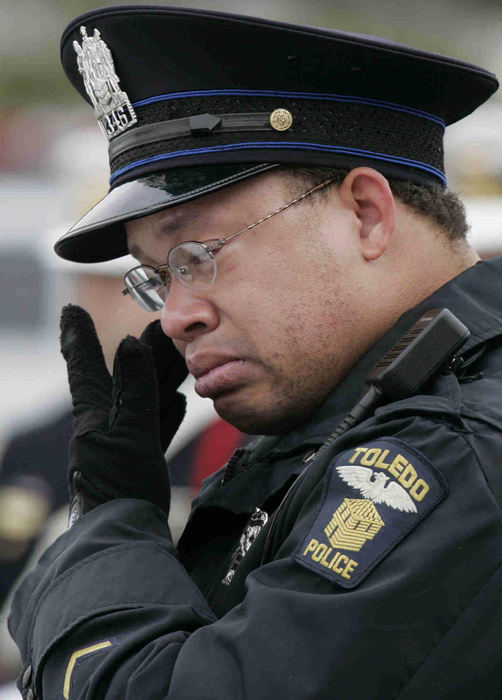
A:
122, 425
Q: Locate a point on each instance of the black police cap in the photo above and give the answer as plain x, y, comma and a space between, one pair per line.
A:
192, 101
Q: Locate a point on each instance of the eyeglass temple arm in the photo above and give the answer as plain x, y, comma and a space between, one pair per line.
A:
222, 241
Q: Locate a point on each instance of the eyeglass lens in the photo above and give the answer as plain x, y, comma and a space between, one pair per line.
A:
147, 287
192, 263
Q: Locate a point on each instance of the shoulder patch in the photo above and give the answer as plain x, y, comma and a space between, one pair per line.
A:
373, 496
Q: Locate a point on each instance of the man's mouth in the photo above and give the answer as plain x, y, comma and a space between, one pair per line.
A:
216, 375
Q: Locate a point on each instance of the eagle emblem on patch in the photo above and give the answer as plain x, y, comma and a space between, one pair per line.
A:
373, 485
374, 495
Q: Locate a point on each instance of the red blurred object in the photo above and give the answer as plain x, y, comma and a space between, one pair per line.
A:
215, 446
24, 140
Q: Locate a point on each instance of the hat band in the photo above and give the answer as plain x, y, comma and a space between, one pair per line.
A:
329, 97
196, 125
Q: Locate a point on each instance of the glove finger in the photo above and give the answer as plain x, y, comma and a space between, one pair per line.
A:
170, 420
169, 364
135, 392
90, 382
171, 370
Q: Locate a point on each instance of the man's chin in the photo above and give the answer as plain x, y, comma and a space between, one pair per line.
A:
256, 418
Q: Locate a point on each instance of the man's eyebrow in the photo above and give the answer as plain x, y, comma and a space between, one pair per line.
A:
135, 251
172, 222
175, 220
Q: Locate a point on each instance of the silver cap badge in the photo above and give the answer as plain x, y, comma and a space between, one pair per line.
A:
112, 106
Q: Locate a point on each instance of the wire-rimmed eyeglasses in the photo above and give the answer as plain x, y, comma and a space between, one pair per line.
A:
192, 263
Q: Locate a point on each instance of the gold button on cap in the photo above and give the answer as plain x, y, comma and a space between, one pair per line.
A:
281, 119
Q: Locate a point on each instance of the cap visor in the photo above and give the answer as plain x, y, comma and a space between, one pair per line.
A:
100, 234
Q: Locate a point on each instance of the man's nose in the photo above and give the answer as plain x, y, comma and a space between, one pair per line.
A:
186, 314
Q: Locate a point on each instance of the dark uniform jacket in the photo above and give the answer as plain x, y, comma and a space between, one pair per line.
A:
383, 582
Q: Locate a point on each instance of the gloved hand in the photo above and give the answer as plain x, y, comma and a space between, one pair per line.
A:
122, 425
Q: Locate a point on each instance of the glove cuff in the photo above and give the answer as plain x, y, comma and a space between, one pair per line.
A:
85, 497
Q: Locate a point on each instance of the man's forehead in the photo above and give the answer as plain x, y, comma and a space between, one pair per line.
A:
161, 225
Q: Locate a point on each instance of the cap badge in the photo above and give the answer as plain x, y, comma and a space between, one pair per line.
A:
281, 119
112, 106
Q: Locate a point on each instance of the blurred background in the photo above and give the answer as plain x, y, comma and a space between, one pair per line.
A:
53, 168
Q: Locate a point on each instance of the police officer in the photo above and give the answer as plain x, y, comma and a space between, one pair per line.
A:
284, 193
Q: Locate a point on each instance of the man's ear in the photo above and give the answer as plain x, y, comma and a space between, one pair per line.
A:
367, 193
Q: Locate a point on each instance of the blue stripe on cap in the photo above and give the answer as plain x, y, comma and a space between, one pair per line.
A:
296, 95
294, 145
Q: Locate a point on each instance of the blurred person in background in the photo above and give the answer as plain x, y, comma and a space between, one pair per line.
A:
378, 574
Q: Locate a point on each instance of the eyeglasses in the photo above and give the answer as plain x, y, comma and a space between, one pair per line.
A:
192, 263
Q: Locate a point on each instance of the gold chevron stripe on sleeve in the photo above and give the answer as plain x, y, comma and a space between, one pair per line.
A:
73, 660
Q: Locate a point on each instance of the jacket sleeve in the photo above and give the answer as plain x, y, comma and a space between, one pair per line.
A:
111, 614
